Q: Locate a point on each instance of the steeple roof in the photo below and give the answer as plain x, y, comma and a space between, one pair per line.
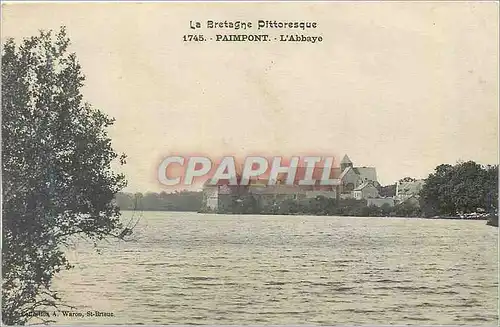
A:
346, 160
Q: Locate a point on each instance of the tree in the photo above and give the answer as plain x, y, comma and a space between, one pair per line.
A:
57, 180
491, 186
386, 209
432, 196
463, 188
407, 209
387, 191
125, 201
407, 179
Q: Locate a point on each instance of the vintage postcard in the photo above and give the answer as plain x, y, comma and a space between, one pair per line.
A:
250, 163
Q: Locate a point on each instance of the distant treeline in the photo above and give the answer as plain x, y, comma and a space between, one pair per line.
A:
176, 201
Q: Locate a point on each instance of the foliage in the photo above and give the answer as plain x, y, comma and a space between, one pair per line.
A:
387, 191
463, 188
57, 180
407, 209
322, 206
407, 179
163, 201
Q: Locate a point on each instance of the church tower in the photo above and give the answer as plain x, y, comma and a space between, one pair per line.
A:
346, 162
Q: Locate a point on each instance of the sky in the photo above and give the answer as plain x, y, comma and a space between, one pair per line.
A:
399, 86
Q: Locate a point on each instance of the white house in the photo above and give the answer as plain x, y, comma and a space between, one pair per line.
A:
365, 191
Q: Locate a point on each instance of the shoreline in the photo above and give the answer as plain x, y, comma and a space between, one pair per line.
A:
489, 219
484, 218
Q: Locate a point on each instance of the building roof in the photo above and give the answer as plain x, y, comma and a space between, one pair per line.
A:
263, 180
346, 160
348, 169
220, 182
317, 175
364, 185
366, 173
276, 190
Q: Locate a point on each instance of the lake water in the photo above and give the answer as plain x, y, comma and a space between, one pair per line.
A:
189, 268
